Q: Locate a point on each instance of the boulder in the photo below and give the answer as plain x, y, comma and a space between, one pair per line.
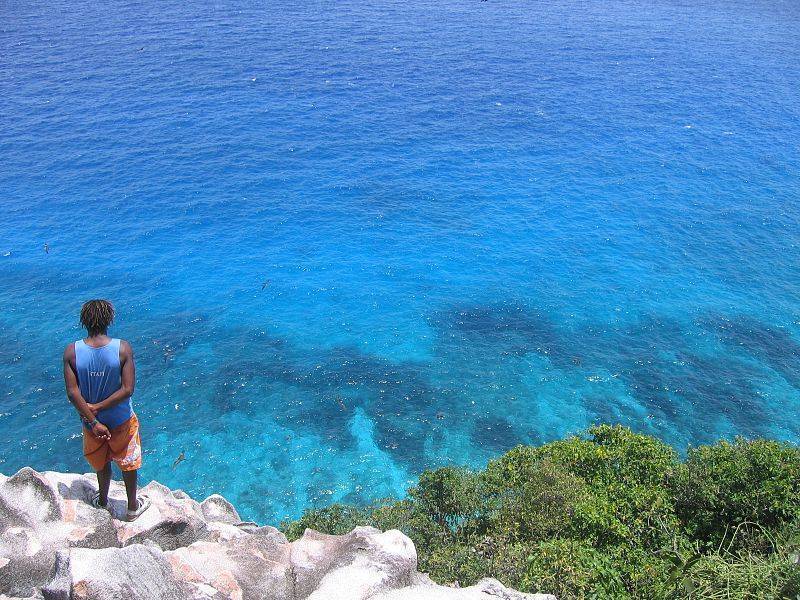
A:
35, 523
85, 526
60, 586
495, 589
170, 522
135, 572
216, 508
223, 532
354, 566
248, 567
173, 519
485, 589
26, 561
28, 499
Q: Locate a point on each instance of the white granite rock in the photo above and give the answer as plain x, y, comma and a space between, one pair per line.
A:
486, 589
218, 509
35, 523
354, 566
249, 567
135, 572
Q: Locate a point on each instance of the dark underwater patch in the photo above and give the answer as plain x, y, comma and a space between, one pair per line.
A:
773, 345
678, 385
403, 407
329, 385
495, 433
503, 330
394, 396
605, 408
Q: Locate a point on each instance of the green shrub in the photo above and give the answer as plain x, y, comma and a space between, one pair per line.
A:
626, 473
730, 484
455, 562
572, 570
745, 577
540, 505
449, 495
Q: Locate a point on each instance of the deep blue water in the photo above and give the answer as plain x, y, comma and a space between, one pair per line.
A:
483, 224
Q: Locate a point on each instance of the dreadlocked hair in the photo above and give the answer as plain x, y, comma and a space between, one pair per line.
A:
96, 316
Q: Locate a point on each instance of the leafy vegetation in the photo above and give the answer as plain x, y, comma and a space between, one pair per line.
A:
611, 514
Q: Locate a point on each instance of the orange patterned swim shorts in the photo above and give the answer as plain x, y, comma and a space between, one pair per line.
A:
124, 447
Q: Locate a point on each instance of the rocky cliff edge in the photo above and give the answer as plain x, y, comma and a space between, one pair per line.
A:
55, 546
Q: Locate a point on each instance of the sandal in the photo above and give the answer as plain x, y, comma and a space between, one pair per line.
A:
96, 502
143, 504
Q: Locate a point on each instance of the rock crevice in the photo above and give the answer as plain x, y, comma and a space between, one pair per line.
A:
55, 546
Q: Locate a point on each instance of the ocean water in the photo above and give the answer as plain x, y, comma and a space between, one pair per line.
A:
353, 240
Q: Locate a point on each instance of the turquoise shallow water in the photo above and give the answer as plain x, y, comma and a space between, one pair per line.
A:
482, 223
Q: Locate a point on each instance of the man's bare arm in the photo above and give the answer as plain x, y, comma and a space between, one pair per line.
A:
127, 376
74, 393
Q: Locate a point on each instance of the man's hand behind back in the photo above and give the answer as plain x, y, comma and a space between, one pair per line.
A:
101, 431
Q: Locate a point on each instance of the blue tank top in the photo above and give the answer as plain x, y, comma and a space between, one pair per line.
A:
99, 376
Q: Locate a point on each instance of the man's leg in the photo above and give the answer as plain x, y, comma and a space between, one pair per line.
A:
130, 479
127, 448
103, 483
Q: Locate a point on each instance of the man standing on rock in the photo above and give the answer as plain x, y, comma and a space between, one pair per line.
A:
100, 375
